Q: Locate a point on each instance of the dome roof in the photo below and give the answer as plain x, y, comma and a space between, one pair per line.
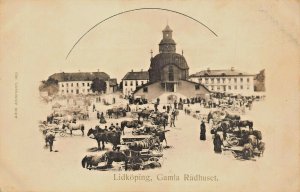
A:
163, 59
167, 41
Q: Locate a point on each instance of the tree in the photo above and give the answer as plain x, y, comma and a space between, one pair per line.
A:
98, 85
50, 86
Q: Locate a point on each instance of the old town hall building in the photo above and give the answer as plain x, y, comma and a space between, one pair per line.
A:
169, 74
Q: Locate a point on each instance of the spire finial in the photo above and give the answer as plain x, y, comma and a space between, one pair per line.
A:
151, 53
182, 52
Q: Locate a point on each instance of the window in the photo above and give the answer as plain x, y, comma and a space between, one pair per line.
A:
248, 80
72, 85
67, 84
145, 89
241, 79
88, 84
82, 84
67, 91
131, 83
197, 87
241, 86
171, 73
77, 84
62, 85
206, 80
125, 83
212, 80
223, 79
88, 90
218, 87
218, 80
229, 87
235, 87
137, 83
235, 80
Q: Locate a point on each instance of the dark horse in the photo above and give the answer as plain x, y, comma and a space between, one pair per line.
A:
232, 117
144, 114
109, 157
102, 135
245, 124
130, 124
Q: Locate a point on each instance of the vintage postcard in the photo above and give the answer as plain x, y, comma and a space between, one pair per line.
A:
150, 95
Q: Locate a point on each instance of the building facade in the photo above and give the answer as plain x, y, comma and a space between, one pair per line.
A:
132, 80
80, 83
169, 73
228, 81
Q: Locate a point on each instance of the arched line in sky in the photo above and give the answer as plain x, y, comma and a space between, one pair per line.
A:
138, 9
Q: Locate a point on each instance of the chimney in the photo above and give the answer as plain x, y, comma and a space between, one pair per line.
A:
141, 70
131, 70
232, 68
97, 70
208, 69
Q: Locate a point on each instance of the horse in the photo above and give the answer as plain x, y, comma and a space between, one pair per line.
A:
144, 114
101, 135
130, 124
49, 139
232, 117
74, 126
109, 157
245, 124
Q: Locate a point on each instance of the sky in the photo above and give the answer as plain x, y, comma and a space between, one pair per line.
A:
249, 33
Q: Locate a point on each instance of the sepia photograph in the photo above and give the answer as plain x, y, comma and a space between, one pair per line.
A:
150, 95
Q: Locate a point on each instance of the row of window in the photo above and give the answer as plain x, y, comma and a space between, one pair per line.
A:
132, 82
77, 84
75, 91
228, 87
212, 80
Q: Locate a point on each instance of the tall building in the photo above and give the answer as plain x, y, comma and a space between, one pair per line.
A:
229, 81
169, 73
80, 82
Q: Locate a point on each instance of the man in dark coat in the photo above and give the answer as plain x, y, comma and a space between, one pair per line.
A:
202, 131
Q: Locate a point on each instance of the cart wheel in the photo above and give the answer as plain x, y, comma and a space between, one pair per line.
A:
62, 134
154, 159
233, 141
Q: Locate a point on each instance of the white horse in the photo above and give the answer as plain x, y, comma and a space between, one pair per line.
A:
74, 126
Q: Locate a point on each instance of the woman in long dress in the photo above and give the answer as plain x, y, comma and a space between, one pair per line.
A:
202, 131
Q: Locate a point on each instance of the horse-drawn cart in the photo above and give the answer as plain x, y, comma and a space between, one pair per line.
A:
131, 138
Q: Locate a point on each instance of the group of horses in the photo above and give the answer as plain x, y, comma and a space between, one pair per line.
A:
230, 129
116, 112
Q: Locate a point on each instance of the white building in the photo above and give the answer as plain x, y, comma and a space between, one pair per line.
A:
229, 81
132, 80
80, 82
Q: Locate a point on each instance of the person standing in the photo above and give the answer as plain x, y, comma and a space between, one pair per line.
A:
172, 121
202, 131
217, 143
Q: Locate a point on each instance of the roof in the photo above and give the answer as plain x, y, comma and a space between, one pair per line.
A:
167, 28
141, 75
229, 72
80, 76
113, 82
162, 59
